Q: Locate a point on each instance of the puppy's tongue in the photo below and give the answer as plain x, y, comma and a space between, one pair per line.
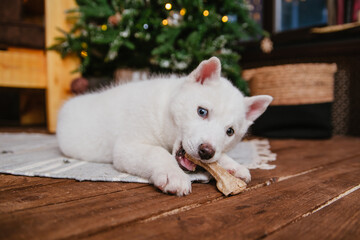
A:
190, 166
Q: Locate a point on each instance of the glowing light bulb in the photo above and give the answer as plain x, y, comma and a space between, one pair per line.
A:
165, 22
84, 45
84, 54
225, 18
182, 11
168, 6
206, 13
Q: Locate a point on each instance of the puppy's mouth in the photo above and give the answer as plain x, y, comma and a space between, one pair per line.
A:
184, 163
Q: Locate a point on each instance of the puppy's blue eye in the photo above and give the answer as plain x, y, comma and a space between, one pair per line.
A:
230, 132
202, 112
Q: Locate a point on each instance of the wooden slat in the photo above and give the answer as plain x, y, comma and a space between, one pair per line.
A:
15, 182
59, 70
250, 215
340, 220
59, 192
23, 68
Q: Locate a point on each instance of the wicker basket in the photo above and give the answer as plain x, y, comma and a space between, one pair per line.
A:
294, 84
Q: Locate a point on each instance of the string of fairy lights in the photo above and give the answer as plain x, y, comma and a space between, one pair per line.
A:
168, 6
173, 19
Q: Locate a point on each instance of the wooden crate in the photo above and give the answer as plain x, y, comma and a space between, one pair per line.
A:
40, 69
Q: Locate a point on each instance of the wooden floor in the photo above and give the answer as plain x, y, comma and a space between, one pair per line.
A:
312, 194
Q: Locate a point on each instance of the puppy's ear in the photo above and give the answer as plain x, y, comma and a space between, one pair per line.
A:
255, 106
208, 69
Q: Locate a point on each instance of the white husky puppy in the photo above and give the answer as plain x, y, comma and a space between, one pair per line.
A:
145, 128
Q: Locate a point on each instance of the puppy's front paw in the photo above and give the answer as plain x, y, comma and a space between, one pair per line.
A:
240, 171
174, 182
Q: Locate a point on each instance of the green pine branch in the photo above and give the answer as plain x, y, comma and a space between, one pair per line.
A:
140, 39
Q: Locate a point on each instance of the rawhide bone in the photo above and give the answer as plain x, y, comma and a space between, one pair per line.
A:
225, 182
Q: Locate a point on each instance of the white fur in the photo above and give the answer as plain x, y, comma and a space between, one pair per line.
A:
139, 126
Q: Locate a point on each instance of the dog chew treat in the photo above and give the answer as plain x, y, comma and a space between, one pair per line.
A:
225, 182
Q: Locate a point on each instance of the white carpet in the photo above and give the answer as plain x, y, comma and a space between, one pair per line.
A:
39, 155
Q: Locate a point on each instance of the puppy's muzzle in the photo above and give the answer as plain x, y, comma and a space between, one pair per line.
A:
206, 151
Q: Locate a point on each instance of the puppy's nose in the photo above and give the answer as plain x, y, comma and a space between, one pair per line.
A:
206, 151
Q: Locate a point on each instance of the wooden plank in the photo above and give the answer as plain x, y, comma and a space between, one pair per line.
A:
59, 70
90, 215
12, 182
298, 156
340, 220
23, 68
16, 199
251, 215
279, 145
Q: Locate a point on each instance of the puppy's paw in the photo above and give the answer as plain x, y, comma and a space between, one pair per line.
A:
174, 182
240, 171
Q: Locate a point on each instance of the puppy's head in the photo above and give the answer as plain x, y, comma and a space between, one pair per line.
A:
211, 114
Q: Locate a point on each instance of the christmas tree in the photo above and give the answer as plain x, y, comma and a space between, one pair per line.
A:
162, 36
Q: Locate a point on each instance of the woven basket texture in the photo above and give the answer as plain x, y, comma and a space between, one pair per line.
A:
294, 84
